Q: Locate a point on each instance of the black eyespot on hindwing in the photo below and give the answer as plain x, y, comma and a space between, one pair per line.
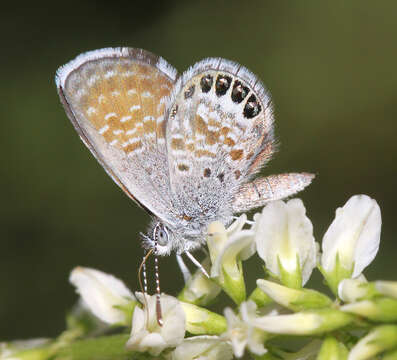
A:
239, 92
189, 92
206, 83
252, 107
222, 84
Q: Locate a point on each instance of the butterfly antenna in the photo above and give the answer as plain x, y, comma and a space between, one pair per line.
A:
158, 291
142, 270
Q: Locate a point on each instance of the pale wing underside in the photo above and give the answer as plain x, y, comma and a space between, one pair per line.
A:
275, 187
219, 133
116, 99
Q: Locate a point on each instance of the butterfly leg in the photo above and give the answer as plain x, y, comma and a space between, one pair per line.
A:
184, 269
197, 263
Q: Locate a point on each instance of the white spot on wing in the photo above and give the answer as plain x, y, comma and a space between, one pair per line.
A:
103, 129
114, 142
110, 74
148, 118
64, 71
178, 136
133, 140
147, 94
81, 92
91, 110
135, 107
131, 92
109, 115
131, 131
202, 111
126, 118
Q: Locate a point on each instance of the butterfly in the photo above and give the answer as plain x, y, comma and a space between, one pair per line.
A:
186, 148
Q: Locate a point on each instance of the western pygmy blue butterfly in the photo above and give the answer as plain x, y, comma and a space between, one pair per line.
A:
185, 148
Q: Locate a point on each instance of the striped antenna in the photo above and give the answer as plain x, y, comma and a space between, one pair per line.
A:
158, 291
142, 270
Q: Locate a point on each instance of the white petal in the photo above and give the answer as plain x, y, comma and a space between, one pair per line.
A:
241, 332
230, 253
101, 292
237, 225
150, 336
285, 232
173, 329
203, 348
153, 343
354, 235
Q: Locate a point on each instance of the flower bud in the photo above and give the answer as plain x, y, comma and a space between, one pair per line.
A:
352, 290
377, 341
331, 349
294, 299
304, 323
106, 296
202, 321
377, 309
387, 288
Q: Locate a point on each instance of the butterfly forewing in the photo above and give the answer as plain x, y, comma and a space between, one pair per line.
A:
219, 133
116, 100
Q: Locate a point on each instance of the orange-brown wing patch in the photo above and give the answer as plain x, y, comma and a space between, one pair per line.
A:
123, 101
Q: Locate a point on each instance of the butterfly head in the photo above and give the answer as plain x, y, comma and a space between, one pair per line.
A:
159, 238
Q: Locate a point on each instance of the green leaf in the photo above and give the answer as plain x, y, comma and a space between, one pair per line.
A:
101, 348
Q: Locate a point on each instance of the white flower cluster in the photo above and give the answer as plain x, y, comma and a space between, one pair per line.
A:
282, 236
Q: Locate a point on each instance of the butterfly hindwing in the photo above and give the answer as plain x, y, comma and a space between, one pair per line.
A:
116, 100
219, 133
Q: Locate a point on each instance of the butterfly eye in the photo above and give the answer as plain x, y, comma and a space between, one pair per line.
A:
161, 235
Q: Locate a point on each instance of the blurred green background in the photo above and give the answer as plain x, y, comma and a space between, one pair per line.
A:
330, 66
